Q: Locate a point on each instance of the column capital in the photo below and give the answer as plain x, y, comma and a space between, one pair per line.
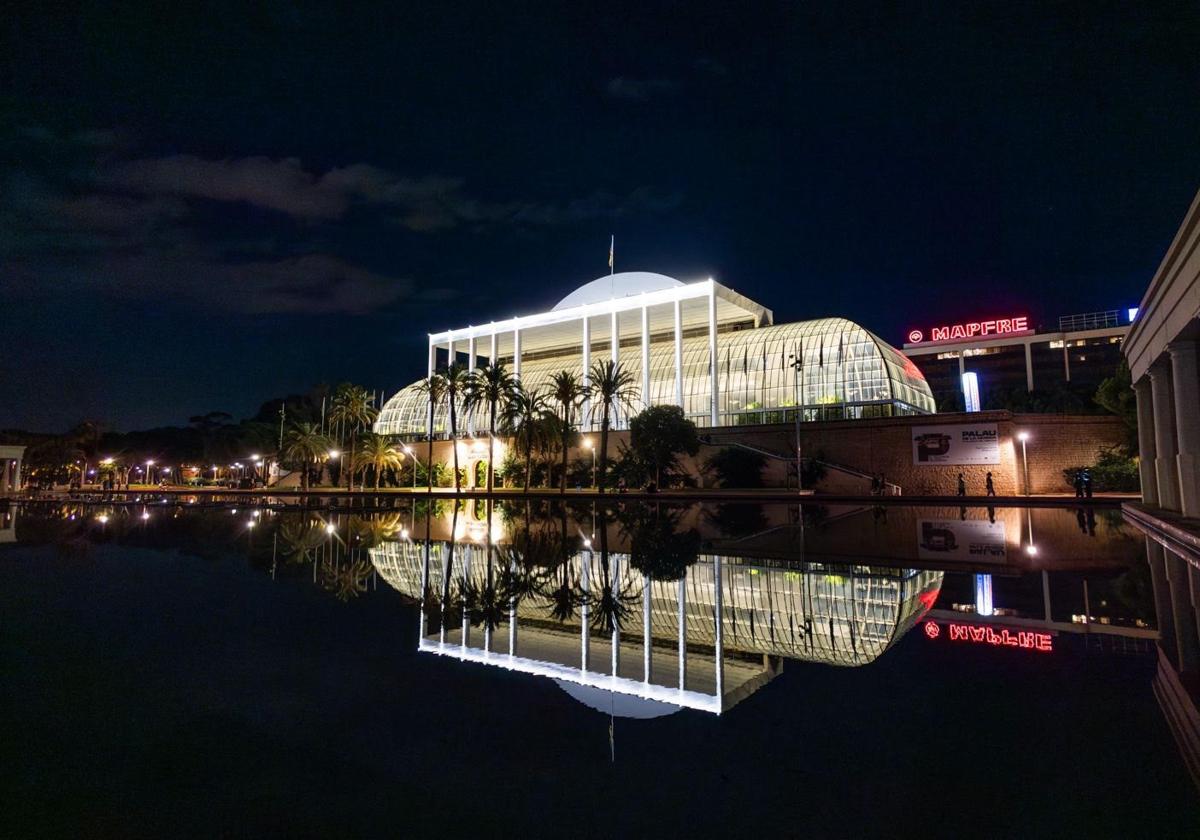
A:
1160, 371
1183, 348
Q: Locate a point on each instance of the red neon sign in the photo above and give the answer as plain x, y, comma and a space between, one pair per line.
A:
974, 329
1024, 639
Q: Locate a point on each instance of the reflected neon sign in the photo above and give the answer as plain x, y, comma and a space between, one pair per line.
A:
973, 329
1003, 637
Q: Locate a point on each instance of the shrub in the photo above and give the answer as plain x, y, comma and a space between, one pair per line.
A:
1112, 472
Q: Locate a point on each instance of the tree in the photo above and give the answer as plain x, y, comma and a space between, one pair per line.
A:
352, 408
1116, 395
568, 394
379, 453
656, 548
491, 386
456, 379
613, 389
737, 467
659, 434
304, 444
434, 387
522, 417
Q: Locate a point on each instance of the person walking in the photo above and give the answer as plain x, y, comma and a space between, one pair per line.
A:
1087, 483
1079, 484
991, 488
962, 485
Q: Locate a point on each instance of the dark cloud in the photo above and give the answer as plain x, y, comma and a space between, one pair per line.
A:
639, 90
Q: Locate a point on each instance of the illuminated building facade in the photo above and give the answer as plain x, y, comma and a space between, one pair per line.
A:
701, 346
1007, 354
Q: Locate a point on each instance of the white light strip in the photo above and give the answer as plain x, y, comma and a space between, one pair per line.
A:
588, 310
553, 670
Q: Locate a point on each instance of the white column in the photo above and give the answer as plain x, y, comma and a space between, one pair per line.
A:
517, 353
492, 358
1186, 388
585, 416
432, 356
17, 474
719, 637
1146, 450
683, 633
1028, 366
471, 349
450, 352
1165, 445
1066, 361
585, 582
679, 354
471, 354
713, 374
1187, 644
615, 354
647, 640
429, 409
616, 629
645, 357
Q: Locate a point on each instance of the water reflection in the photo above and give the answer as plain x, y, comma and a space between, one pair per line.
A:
633, 606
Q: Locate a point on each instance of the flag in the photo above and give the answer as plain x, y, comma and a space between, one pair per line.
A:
611, 247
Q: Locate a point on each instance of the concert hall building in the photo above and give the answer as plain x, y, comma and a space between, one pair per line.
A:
700, 345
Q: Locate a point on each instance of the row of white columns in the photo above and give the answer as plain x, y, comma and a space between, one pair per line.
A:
615, 354
1168, 404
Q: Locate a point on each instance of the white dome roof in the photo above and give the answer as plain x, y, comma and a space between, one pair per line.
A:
624, 284
618, 705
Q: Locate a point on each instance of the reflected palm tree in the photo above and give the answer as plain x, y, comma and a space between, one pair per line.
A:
485, 604
300, 537
611, 606
372, 531
346, 580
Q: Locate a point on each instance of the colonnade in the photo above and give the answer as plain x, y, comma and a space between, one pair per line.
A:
1168, 407
11, 459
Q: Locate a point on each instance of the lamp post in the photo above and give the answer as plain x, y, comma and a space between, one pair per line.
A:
149, 464
334, 454
1023, 437
587, 444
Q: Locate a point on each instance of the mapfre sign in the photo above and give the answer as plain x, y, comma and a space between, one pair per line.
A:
973, 329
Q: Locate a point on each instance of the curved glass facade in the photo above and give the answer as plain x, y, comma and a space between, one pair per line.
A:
846, 372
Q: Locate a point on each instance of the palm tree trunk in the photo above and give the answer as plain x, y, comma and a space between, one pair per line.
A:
350, 464
454, 440
566, 433
429, 463
491, 447
528, 456
603, 449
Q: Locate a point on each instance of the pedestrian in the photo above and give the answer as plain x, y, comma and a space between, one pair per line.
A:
1087, 483
1078, 484
874, 485
962, 485
883, 491
991, 488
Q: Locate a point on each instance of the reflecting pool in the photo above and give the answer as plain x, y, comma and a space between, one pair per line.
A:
544, 668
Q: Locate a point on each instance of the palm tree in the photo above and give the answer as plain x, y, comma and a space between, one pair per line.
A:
616, 599
612, 387
305, 444
353, 409
568, 393
490, 385
379, 453
434, 387
456, 378
522, 416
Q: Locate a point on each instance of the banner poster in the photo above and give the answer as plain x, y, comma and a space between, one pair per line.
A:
955, 539
975, 443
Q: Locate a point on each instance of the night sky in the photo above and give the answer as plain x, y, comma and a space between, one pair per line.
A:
203, 209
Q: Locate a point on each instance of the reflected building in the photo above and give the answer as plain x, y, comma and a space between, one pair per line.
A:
602, 628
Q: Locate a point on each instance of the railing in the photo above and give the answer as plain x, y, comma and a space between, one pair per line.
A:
1090, 321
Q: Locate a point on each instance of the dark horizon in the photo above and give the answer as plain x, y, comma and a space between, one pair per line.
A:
202, 212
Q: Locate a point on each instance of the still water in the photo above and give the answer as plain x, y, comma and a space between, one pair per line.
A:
579, 670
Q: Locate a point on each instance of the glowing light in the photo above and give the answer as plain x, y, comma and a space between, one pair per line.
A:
980, 329
1022, 436
330, 529
1003, 637
587, 443
145, 514
1133, 311
102, 518
1031, 550
333, 453
251, 523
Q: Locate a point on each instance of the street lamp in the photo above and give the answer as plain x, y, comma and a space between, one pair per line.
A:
587, 444
1023, 437
408, 451
149, 464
